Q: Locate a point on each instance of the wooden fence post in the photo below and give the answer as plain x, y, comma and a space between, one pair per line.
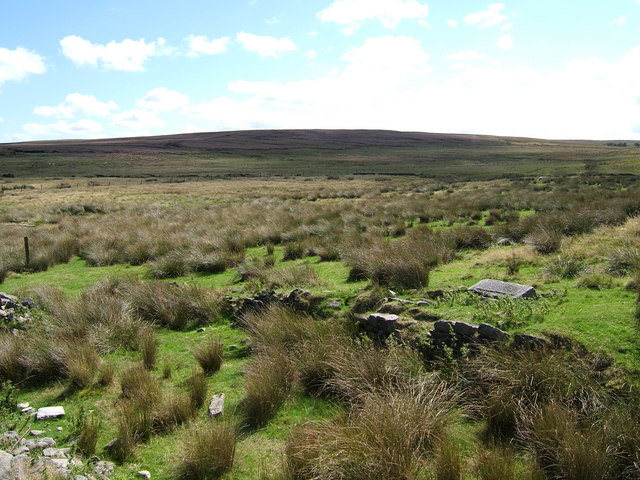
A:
26, 251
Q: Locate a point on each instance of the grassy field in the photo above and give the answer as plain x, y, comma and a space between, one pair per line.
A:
139, 271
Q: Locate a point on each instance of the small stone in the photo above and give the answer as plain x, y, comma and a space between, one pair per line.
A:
492, 333
59, 429
56, 452
200, 330
465, 329
233, 347
27, 410
28, 302
5, 464
23, 405
36, 433
334, 304
104, 468
445, 326
423, 303
496, 288
47, 413
144, 474
216, 407
21, 450
60, 463
46, 442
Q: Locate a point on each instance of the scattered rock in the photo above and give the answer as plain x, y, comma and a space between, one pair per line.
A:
522, 340
423, 303
492, 333
465, 329
216, 407
392, 307
27, 410
445, 326
59, 429
28, 302
496, 288
503, 242
46, 442
56, 452
10, 436
103, 468
5, 464
23, 405
21, 450
334, 304
200, 330
233, 347
144, 474
47, 413
36, 433
379, 324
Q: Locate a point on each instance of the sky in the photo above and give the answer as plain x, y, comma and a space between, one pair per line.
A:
557, 69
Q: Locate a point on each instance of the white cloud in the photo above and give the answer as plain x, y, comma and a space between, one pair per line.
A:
127, 55
200, 44
311, 55
16, 65
452, 23
487, 18
78, 105
137, 119
350, 13
505, 42
621, 21
385, 83
465, 56
265, 46
163, 100
81, 129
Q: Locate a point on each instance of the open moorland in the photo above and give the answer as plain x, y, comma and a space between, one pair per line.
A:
319, 281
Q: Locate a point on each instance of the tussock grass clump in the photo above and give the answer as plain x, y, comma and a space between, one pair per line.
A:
173, 265
134, 425
88, 434
497, 463
173, 411
293, 276
206, 451
209, 354
594, 280
82, 362
294, 251
106, 374
268, 380
544, 240
149, 347
509, 386
139, 385
387, 438
448, 462
564, 266
172, 306
623, 260
563, 450
197, 388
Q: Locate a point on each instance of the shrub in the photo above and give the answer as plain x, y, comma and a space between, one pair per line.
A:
206, 451
209, 355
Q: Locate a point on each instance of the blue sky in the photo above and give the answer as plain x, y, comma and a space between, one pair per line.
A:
537, 68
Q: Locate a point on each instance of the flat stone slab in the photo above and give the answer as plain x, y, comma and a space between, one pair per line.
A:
216, 407
47, 413
496, 288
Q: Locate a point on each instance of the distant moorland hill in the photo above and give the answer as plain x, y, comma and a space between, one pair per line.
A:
318, 152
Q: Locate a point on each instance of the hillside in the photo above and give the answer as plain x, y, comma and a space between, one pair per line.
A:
316, 152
